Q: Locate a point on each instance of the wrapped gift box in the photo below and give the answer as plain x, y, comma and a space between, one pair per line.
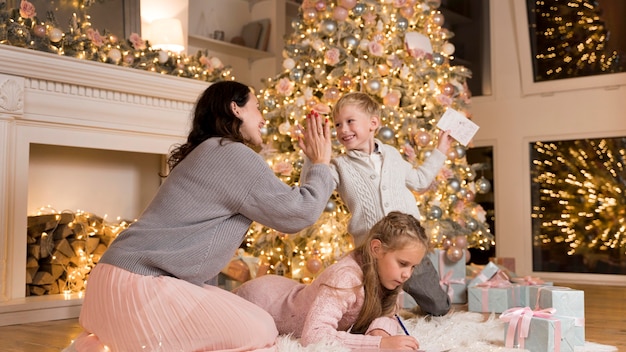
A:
487, 299
546, 332
505, 262
527, 282
567, 302
486, 273
451, 275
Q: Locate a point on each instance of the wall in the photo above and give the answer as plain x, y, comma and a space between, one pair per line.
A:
509, 120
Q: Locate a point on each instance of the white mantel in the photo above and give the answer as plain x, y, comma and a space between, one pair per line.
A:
56, 100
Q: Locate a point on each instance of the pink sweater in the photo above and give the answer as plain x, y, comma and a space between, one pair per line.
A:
318, 312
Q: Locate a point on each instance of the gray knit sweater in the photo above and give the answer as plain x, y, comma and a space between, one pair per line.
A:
203, 210
370, 197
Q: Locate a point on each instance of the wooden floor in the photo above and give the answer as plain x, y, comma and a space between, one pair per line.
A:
605, 315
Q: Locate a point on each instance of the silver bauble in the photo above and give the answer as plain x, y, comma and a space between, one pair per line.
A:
373, 86
472, 224
359, 9
350, 42
435, 212
264, 131
460, 151
483, 185
402, 24
295, 23
270, 103
295, 75
438, 59
385, 134
330, 206
454, 184
328, 27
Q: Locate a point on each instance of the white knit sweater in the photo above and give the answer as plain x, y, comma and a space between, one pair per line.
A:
370, 196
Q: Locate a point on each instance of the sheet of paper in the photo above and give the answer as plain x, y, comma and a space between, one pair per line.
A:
461, 128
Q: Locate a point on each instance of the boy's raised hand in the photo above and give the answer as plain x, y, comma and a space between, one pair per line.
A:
445, 140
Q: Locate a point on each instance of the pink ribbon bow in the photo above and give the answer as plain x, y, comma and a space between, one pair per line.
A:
446, 283
519, 320
527, 280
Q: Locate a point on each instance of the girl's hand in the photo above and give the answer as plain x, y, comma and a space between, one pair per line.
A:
400, 342
444, 141
316, 141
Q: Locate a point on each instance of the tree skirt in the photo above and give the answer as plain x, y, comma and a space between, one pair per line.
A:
454, 332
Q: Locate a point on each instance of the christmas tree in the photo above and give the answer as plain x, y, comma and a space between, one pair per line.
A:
578, 203
570, 39
398, 52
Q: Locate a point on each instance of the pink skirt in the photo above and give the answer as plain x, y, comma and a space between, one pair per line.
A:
128, 312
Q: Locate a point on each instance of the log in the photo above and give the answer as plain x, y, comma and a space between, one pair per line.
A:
42, 278
54, 270
37, 291
63, 246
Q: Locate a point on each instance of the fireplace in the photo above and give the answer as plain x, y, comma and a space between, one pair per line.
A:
50, 104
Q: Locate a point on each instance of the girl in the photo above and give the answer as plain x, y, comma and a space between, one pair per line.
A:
151, 289
352, 301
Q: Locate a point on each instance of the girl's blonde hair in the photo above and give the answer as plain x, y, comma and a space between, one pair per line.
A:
395, 231
361, 100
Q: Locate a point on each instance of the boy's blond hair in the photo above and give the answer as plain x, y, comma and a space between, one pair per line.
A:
362, 100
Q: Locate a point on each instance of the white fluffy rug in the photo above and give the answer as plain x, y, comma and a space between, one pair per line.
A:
455, 332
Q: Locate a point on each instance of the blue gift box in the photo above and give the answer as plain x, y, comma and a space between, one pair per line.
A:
485, 274
546, 333
451, 275
488, 299
567, 301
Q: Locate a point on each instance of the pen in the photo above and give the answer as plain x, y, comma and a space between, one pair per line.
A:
402, 324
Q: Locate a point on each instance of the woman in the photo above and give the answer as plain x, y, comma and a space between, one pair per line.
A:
150, 290
353, 301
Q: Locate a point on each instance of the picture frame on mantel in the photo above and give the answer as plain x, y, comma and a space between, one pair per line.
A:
526, 57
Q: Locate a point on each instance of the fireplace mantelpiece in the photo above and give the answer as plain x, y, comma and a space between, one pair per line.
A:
57, 100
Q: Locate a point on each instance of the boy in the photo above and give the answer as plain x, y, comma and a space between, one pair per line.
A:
373, 179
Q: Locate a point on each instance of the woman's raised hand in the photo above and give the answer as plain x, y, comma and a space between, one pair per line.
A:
316, 141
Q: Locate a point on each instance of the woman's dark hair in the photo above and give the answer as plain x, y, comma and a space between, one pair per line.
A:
213, 117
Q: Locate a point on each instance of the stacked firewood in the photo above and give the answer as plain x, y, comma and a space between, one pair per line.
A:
62, 249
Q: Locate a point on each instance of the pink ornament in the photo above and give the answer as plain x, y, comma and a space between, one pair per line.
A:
460, 241
340, 13
422, 138
320, 6
383, 69
454, 254
309, 15
345, 82
314, 265
468, 256
129, 59
452, 155
448, 89
446, 243
391, 99
348, 4
331, 94
39, 30
407, 11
